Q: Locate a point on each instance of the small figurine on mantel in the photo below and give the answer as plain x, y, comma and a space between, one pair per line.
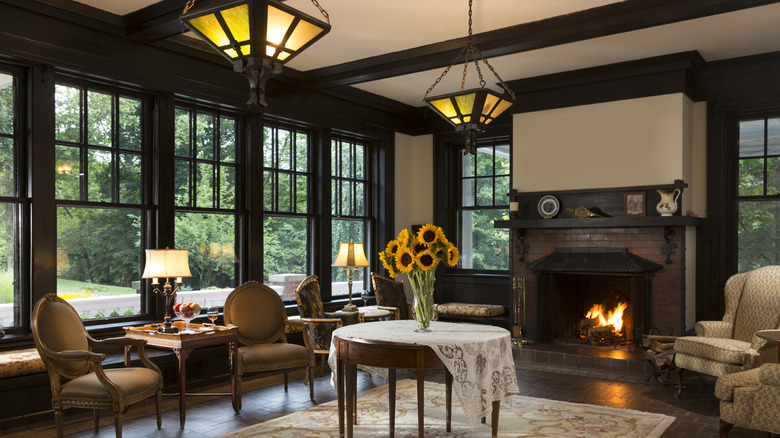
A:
583, 212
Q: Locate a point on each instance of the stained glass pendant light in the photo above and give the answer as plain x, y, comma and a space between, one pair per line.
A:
257, 36
469, 111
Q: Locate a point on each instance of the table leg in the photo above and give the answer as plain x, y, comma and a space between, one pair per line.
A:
233, 348
391, 399
340, 391
448, 392
182, 354
351, 377
494, 418
420, 400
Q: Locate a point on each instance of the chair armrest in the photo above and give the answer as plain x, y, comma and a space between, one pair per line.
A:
769, 374
714, 329
394, 310
80, 355
319, 332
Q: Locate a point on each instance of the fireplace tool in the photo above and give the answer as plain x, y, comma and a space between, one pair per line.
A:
518, 330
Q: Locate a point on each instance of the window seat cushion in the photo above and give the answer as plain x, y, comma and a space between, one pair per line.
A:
471, 309
20, 363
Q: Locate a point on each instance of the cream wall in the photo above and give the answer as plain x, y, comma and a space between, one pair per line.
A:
413, 180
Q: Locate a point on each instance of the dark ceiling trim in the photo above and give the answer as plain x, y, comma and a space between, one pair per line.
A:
73, 12
606, 20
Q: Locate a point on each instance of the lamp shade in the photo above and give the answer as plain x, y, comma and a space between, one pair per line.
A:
167, 263
476, 106
235, 29
351, 255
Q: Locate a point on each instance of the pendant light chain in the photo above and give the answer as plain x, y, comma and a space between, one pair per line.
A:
190, 4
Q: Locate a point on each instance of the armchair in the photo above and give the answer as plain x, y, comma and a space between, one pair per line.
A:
259, 313
390, 295
731, 345
319, 325
749, 399
75, 368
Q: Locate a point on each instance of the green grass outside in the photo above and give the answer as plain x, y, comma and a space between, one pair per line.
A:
64, 285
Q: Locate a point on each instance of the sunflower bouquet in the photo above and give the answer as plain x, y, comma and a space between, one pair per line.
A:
417, 256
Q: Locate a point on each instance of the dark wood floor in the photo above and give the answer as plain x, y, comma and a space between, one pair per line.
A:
696, 413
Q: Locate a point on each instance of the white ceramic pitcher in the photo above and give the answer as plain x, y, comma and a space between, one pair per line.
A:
668, 204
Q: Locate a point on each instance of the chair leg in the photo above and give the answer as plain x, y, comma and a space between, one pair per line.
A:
118, 424
58, 422
239, 379
157, 404
96, 419
679, 382
285, 380
322, 364
724, 427
310, 372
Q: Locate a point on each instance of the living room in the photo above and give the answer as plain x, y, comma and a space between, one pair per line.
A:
613, 99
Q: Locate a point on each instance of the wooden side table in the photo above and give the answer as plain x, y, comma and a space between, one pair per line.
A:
182, 345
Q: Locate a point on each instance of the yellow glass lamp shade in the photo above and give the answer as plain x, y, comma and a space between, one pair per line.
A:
351, 255
167, 263
230, 29
480, 106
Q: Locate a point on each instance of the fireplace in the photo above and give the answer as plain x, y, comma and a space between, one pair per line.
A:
570, 281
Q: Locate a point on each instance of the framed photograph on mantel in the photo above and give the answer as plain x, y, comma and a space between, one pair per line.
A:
634, 203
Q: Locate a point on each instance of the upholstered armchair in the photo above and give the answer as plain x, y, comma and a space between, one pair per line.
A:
319, 323
731, 345
259, 313
390, 295
750, 399
74, 363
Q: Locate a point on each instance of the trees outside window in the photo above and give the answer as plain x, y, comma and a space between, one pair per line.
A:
287, 199
350, 209
10, 202
758, 193
99, 187
484, 183
207, 187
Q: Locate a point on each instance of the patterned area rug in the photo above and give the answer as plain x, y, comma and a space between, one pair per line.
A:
522, 417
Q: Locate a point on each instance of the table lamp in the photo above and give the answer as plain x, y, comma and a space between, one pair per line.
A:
351, 257
168, 264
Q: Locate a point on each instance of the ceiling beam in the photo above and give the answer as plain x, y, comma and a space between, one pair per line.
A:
606, 20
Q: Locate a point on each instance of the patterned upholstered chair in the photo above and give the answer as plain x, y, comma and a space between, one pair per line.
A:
750, 399
259, 313
75, 368
319, 323
390, 295
730, 346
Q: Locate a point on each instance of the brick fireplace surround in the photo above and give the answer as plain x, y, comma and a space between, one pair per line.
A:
668, 286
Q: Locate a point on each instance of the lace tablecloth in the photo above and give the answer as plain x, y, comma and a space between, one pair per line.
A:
479, 357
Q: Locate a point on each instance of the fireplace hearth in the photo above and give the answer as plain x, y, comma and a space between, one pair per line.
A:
570, 281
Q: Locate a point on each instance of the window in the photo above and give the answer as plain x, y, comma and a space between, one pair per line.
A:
484, 183
758, 193
350, 205
10, 202
100, 142
207, 200
287, 189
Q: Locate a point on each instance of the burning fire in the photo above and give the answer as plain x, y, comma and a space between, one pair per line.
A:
606, 318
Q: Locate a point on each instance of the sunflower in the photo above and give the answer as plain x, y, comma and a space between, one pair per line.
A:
417, 246
392, 247
425, 260
429, 234
403, 237
384, 261
391, 272
453, 255
404, 260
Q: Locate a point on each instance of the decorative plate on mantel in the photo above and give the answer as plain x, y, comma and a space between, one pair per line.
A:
549, 206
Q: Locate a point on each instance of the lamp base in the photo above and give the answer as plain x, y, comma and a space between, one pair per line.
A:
167, 327
350, 308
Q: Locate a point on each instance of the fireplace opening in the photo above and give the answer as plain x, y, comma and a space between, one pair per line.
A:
571, 282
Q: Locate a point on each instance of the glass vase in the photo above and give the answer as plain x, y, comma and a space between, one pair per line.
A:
423, 310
